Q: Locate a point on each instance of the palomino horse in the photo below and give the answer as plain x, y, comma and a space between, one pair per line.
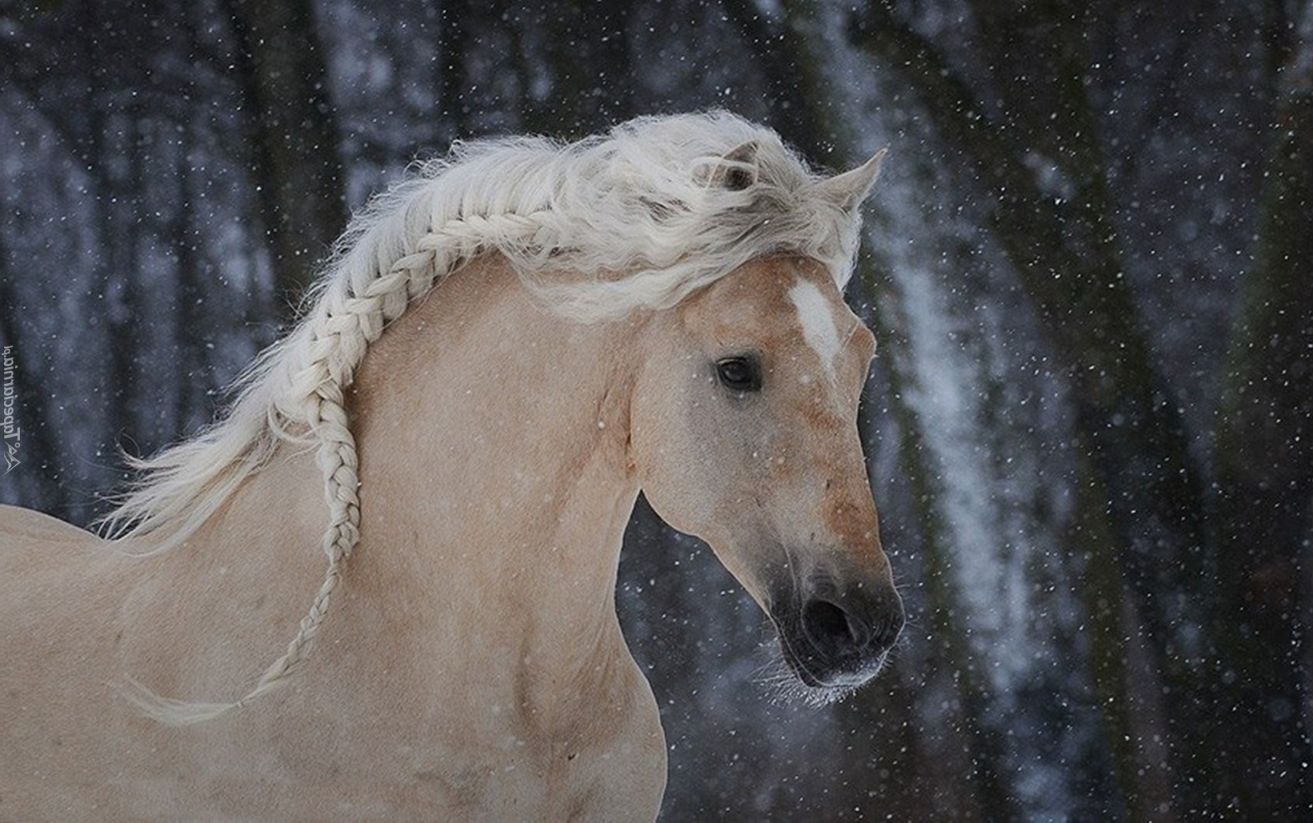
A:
660, 310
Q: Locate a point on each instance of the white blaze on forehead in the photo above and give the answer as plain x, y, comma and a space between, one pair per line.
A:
816, 316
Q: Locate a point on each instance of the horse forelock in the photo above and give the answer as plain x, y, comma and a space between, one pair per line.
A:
638, 201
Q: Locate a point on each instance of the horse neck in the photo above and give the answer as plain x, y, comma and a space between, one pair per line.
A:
495, 484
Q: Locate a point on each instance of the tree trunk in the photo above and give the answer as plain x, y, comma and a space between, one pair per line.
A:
293, 131
1264, 458
194, 328
992, 784
1102, 597
194, 331
587, 51
453, 43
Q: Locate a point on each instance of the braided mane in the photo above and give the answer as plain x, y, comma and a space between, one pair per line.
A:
645, 200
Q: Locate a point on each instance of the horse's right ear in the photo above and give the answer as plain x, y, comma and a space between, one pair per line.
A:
848, 190
735, 170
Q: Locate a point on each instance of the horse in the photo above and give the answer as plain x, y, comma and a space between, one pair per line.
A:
501, 353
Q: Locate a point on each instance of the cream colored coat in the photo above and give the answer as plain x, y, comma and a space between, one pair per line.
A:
472, 666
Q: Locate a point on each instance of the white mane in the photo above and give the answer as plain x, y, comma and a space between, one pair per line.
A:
669, 203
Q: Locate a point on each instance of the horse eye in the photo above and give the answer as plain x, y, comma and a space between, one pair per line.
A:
739, 374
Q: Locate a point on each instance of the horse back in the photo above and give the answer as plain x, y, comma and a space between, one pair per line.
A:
24, 528
46, 565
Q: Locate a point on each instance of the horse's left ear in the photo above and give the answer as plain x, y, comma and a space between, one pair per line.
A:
848, 190
735, 170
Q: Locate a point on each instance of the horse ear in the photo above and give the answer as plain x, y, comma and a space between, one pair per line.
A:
735, 170
848, 190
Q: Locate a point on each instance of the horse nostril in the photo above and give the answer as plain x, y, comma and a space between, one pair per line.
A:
833, 629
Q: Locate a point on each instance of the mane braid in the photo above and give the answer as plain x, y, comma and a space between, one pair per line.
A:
639, 201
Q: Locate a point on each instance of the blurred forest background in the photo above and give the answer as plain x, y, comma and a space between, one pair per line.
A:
1090, 424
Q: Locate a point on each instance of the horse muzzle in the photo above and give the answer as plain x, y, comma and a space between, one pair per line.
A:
836, 637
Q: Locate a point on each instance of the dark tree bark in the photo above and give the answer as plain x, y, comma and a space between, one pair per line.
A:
993, 787
194, 328
587, 53
125, 314
293, 132
115, 283
452, 75
791, 73
1264, 459
1126, 714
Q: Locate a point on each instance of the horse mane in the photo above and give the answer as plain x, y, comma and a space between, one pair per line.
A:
666, 204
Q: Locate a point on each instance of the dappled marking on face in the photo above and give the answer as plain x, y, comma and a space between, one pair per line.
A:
816, 318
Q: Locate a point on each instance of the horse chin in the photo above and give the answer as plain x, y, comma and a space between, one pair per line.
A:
845, 681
